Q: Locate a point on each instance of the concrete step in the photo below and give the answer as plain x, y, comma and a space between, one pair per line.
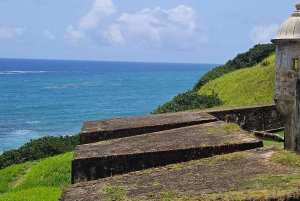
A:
118, 156
94, 131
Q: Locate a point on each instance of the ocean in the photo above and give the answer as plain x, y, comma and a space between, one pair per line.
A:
54, 97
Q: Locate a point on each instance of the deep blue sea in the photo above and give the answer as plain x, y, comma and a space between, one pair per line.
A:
54, 97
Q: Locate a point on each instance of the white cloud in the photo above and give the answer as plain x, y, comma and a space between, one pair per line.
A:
260, 34
176, 28
74, 35
49, 35
114, 35
10, 33
100, 9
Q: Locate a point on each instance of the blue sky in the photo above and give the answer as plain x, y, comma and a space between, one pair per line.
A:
190, 31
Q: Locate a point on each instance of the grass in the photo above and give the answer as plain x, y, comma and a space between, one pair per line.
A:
286, 158
10, 176
228, 128
281, 134
226, 157
249, 86
268, 143
40, 180
114, 193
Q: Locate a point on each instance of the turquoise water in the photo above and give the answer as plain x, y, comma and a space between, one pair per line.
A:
51, 97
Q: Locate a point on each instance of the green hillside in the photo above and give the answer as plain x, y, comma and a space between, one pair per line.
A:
248, 86
192, 100
37, 180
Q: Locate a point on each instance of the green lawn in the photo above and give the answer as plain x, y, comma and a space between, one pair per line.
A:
40, 180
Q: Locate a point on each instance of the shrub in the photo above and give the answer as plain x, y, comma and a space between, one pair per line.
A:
265, 63
39, 148
189, 101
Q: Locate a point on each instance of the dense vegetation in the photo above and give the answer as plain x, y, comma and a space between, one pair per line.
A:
189, 100
39, 148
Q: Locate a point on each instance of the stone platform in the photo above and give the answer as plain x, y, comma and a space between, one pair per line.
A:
118, 156
150, 146
94, 131
213, 178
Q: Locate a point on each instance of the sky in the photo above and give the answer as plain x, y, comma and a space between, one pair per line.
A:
177, 31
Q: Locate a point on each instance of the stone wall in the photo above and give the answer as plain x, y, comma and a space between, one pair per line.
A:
253, 118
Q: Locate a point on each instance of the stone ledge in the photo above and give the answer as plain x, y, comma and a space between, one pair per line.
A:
119, 156
94, 131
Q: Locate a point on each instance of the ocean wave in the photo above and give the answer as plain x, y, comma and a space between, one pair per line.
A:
61, 86
71, 85
33, 122
89, 84
22, 72
23, 132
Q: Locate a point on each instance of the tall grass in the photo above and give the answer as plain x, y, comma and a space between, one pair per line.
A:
42, 180
247, 86
10, 175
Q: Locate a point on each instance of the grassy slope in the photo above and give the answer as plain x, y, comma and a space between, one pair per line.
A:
41, 180
244, 87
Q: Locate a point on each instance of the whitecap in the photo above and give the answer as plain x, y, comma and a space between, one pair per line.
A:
61, 86
89, 84
22, 72
23, 132
33, 122
51, 87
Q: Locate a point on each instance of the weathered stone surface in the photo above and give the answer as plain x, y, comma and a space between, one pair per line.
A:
270, 136
287, 82
188, 179
94, 131
158, 140
118, 156
251, 118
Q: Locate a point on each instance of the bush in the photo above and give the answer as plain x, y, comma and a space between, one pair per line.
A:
39, 148
265, 63
189, 101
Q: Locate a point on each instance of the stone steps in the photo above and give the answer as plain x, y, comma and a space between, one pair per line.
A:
113, 148
118, 156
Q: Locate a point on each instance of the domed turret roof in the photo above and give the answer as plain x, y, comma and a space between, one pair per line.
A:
290, 29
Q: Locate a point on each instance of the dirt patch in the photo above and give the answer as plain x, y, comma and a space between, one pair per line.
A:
218, 174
